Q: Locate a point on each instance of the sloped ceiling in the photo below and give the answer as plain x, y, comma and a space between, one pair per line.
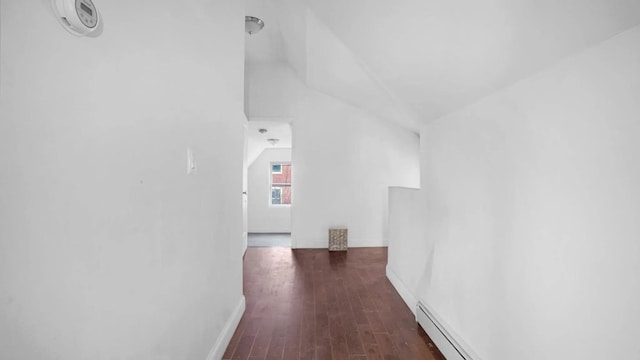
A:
332, 68
257, 142
268, 44
412, 61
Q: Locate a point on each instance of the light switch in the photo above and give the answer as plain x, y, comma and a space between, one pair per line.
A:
191, 162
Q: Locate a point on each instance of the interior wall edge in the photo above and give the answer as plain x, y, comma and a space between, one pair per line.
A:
218, 349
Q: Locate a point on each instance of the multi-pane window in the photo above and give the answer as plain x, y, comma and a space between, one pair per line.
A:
280, 184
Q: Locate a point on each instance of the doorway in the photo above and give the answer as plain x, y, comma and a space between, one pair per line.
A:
269, 183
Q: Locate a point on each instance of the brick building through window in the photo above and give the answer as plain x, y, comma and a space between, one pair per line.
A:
280, 184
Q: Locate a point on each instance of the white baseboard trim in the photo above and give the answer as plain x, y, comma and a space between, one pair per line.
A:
229, 328
353, 243
447, 341
402, 289
451, 346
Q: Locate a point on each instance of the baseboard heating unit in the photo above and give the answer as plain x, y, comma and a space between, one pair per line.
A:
444, 340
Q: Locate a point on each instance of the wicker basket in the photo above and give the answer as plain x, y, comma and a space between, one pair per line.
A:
338, 239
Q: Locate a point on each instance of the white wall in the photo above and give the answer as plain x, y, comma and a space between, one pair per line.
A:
273, 92
406, 239
532, 203
262, 217
108, 250
344, 161
344, 158
245, 186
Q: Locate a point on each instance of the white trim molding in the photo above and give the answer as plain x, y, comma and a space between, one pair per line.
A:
229, 328
449, 344
324, 243
402, 289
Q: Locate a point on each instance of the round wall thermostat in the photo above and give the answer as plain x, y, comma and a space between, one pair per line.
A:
79, 17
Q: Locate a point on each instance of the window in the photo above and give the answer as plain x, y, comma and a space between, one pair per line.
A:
280, 184
276, 196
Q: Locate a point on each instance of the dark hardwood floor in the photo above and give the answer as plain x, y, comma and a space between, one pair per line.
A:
313, 304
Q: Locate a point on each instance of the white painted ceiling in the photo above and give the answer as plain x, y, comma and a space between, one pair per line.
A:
257, 142
412, 61
266, 45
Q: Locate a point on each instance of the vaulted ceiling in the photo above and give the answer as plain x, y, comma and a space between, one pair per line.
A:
257, 141
413, 61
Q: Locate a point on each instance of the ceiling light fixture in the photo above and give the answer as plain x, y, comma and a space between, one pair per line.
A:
252, 25
273, 142
262, 131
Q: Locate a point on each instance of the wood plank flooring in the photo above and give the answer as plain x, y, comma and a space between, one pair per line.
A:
313, 304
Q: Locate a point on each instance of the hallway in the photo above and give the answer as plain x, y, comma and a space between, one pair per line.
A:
312, 304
